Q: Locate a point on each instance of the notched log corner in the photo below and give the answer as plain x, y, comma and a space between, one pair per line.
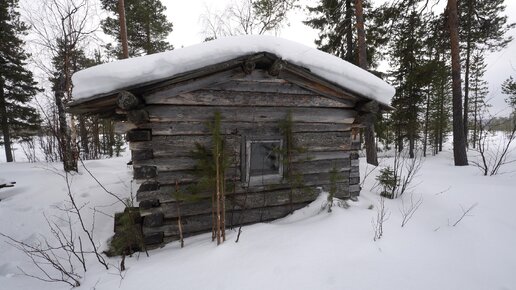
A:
138, 116
136, 135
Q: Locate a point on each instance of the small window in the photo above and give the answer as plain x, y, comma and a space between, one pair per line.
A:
263, 161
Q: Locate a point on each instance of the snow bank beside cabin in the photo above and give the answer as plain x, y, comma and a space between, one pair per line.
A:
110, 77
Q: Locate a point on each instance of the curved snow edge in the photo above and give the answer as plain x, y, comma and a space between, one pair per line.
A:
120, 74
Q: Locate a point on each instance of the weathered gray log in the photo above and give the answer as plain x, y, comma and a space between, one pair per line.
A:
164, 192
243, 85
200, 128
153, 220
148, 186
202, 223
248, 66
153, 238
136, 135
148, 204
194, 84
127, 101
250, 114
165, 163
177, 146
145, 172
309, 82
239, 201
253, 99
276, 67
138, 116
144, 154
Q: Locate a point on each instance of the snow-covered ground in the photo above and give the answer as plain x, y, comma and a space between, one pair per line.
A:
311, 249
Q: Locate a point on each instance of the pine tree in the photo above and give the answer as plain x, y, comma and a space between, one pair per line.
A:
459, 139
147, 27
17, 85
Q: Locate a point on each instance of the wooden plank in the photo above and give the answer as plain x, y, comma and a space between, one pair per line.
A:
253, 99
166, 113
200, 128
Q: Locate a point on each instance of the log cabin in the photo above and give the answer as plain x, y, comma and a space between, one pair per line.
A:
166, 102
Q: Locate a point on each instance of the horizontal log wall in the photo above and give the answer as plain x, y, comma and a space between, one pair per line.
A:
253, 105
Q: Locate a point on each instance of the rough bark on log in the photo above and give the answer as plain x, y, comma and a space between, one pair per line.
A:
127, 101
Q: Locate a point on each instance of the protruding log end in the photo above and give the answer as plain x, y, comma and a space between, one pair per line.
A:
276, 67
127, 101
138, 116
248, 66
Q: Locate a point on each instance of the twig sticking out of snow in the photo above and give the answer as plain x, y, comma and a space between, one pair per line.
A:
465, 213
408, 210
382, 215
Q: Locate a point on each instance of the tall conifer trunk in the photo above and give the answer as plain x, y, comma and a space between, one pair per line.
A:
371, 154
467, 72
349, 35
5, 125
123, 29
459, 140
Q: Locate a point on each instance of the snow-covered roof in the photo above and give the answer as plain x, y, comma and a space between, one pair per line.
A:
110, 77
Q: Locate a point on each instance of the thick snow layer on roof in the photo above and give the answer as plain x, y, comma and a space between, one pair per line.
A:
120, 74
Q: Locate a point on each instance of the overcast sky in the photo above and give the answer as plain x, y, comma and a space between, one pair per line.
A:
186, 17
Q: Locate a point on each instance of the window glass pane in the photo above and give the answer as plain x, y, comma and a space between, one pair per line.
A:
264, 158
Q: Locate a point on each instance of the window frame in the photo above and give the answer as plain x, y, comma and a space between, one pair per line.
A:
246, 164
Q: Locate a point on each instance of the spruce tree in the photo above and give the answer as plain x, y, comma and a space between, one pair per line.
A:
335, 20
17, 85
408, 73
147, 27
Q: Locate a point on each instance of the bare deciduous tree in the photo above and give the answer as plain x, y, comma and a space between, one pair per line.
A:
59, 29
494, 148
244, 17
382, 215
